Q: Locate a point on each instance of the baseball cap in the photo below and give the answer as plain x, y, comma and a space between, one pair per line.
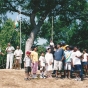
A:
28, 52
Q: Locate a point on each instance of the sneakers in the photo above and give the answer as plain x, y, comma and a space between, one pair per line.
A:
41, 77
26, 79
56, 77
34, 76
66, 77
44, 77
78, 79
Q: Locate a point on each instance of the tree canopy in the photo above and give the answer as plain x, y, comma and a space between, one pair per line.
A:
65, 13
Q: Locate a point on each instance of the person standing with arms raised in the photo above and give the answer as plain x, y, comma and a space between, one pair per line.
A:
10, 49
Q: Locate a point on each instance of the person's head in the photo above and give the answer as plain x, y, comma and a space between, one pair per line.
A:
75, 48
55, 47
51, 40
85, 51
67, 48
18, 47
63, 44
35, 48
71, 47
28, 53
9, 44
49, 50
58, 46
42, 53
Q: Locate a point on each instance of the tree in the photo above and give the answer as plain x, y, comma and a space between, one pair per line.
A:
9, 34
67, 10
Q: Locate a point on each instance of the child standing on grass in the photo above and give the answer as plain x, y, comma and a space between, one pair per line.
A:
27, 65
67, 67
42, 64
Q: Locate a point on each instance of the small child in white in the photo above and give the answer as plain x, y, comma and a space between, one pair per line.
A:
42, 64
27, 65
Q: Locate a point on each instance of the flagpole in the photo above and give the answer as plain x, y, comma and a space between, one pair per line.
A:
20, 33
20, 27
52, 30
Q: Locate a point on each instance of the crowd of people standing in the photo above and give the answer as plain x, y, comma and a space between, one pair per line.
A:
56, 60
59, 60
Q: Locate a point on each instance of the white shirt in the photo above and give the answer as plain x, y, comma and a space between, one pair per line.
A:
76, 60
52, 44
42, 60
10, 48
49, 60
85, 57
27, 61
18, 52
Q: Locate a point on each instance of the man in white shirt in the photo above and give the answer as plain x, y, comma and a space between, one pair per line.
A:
76, 62
10, 55
18, 54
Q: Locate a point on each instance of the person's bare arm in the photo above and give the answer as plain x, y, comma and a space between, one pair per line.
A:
72, 63
87, 58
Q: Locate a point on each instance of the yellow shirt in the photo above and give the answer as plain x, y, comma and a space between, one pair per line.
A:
63, 47
34, 56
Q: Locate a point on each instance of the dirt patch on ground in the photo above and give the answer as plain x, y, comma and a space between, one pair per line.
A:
15, 79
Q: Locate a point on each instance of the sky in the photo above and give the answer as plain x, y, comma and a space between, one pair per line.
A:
14, 16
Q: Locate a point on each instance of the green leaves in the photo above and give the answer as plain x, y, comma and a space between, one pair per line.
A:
65, 13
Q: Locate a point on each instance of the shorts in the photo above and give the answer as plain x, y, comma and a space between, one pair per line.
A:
18, 57
67, 66
27, 69
57, 65
84, 63
77, 68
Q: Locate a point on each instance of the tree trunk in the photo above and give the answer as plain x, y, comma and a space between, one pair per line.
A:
34, 32
31, 38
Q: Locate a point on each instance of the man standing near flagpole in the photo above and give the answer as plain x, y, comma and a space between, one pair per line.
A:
18, 54
10, 49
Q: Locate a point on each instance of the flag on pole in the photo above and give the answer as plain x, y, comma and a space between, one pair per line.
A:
16, 24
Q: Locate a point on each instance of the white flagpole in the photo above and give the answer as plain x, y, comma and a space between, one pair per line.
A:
20, 27
52, 30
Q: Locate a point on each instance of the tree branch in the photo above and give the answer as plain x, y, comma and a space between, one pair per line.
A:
12, 8
32, 19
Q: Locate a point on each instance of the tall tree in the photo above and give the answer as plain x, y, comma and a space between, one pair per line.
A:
39, 10
9, 34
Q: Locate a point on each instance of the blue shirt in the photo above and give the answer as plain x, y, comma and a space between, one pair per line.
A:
59, 53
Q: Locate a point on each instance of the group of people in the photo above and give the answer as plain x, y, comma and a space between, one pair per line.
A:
11, 53
56, 60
